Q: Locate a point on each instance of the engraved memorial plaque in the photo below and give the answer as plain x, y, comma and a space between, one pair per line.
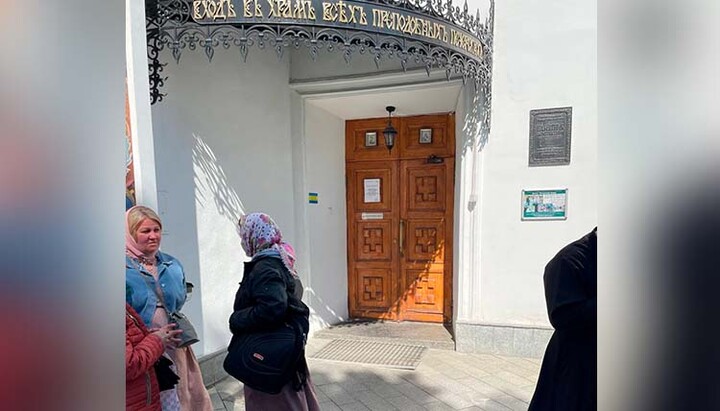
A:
550, 131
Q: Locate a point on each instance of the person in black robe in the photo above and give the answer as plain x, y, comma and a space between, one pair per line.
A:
568, 376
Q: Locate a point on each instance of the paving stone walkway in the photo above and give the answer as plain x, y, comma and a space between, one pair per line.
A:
444, 380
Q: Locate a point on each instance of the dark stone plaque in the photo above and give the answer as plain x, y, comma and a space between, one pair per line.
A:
550, 131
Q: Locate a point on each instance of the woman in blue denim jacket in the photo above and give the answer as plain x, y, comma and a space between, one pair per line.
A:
150, 273
171, 278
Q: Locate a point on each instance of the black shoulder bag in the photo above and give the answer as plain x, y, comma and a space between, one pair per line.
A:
267, 360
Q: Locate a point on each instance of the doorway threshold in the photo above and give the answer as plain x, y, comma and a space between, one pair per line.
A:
430, 335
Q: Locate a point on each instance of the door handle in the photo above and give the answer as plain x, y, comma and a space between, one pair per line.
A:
402, 237
433, 159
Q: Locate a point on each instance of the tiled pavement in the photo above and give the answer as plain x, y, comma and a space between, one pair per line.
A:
444, 380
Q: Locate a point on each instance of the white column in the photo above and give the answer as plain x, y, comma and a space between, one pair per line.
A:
468, 206
139, 98
302, 223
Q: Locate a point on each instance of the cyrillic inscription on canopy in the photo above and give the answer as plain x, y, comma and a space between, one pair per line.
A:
358, 15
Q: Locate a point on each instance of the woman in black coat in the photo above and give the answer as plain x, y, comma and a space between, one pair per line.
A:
270, 293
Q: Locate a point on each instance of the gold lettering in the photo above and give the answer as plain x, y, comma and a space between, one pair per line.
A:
388, 20
328, 12
247, 12
343, 15
400, 21
411, 25
285, 9
274, 10
363, 16
215, 10
352, 18
311, 10
219, 11
300, 10
210, 8
465, 42
197, 15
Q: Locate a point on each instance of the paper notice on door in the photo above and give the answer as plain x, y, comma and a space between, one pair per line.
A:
372, 190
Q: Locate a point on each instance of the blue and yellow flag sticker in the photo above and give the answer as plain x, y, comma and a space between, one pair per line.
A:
313, 198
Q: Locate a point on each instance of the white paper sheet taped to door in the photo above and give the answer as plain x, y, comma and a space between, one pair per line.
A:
372, 190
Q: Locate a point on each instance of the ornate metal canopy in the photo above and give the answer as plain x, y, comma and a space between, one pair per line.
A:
431, 33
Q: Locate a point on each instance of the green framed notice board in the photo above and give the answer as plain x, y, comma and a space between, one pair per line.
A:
544, 204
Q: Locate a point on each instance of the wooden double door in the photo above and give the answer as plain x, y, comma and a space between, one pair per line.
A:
400, 218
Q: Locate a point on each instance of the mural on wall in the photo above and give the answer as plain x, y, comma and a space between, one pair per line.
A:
129, 172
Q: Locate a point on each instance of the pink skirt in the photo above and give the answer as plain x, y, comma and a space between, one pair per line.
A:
288, 399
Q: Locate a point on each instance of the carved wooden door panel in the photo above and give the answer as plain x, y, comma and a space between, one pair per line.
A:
373, 206
426, 239
399, 211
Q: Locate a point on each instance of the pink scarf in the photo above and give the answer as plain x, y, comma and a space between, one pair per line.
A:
291, 255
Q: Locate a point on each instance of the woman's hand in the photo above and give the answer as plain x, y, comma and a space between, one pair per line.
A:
168, 335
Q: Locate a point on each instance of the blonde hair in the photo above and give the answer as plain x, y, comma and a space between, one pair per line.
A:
137, 215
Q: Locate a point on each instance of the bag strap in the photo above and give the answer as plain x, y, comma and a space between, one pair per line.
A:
155, 289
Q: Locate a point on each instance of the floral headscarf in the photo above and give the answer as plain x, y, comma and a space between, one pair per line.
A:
291, 254
260, 235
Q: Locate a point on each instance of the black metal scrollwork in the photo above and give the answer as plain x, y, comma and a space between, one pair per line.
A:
170, 25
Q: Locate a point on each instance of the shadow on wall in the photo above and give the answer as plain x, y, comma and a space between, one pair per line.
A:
212, 187
213, 180
475, 132
476, 124
321, 314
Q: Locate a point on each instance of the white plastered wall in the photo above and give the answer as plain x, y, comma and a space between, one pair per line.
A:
545, 56
223, 146
324, 145
228, 138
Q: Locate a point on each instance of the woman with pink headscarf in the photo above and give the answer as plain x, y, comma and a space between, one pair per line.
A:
155, 287
270, 293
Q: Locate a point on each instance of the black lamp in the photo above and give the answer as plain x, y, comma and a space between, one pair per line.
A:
390, 133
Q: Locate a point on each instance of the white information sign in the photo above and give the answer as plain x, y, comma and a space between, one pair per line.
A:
372, 190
